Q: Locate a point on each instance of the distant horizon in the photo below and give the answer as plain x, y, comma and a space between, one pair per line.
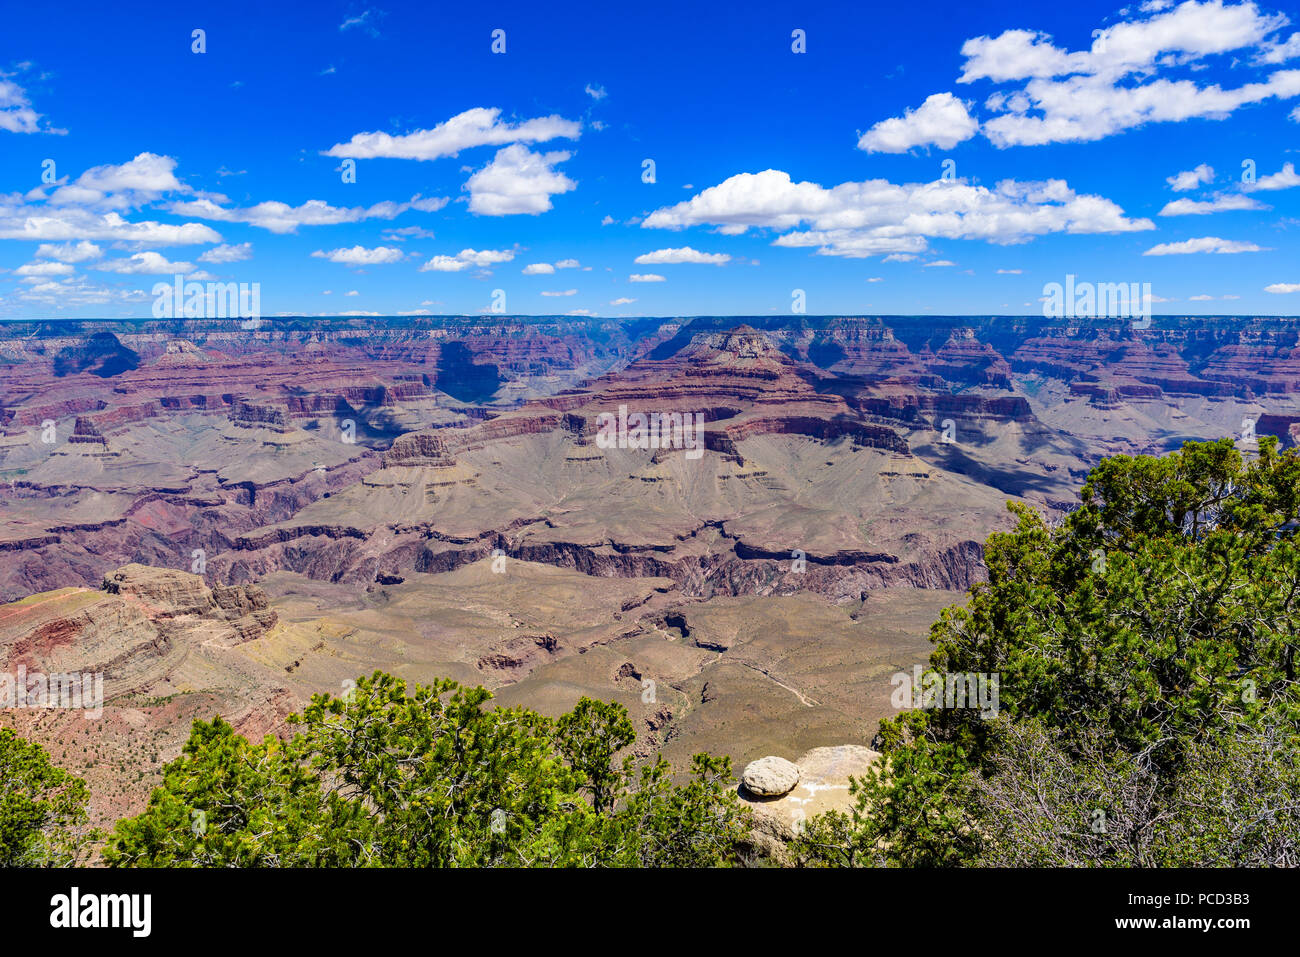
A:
665, 318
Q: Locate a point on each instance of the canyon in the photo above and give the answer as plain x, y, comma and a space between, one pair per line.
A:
227, 517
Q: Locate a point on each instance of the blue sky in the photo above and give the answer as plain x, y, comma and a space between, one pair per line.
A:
1089, 139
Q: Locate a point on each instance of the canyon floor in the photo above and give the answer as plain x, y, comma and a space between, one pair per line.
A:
225, 519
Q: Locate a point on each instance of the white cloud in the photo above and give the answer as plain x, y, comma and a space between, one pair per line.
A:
1190, 179
38, 223
361, 256
877, 217
1200, 298
685, 254
517, 181
1284, 179
1219, 204
1057, 95
645, 277
79, 291
566, 292
407, 232
942, 121
567, 264
123, 186
16, 112
939, 262
280, 217
228, 254
364, 22
145, 264
1283, 287
1087, 108
596, 91
1280, 51
444, 264
467, 258
1205, 244
45, 269
538, 269
1010, 272
476, 127
486, 257
69, 252
621, 301
90, 208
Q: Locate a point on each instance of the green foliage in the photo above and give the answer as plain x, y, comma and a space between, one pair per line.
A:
1139, 644
42, 808
431, 778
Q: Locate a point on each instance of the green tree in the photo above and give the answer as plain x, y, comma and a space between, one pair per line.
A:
1152, 628
433, 777
43, 820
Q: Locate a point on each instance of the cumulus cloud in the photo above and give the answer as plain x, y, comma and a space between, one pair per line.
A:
282, 218
123, 186
1284, 179
361, 256
1279, 51
942, 121
69, 252
44, 269
78, 291
90, 208
645, 277
407, 232
517, 181
467, 258
1219, 204
538, 269
444, 264
858, 219
481, 126
621, 301
486, 257
666, 257
145, 264
1190, 179
565, 292
228, 254
1205, 244
1050, 94
1283, 287
16, 112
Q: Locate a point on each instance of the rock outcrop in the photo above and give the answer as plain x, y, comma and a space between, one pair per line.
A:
823, 785
770, 777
